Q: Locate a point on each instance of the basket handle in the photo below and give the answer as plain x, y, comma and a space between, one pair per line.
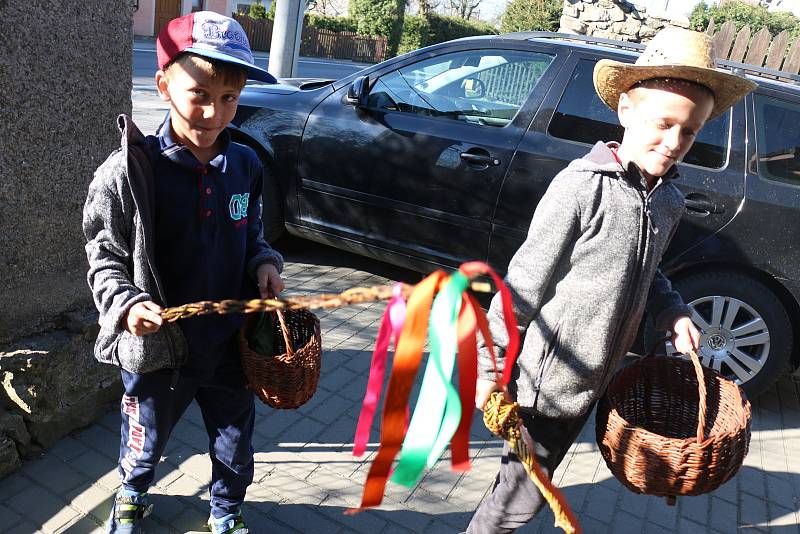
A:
701, 389
285, 331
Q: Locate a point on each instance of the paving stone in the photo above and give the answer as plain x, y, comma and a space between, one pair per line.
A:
753, 512
662, 514
192, 435
601, 504
93, 501
26, 527
626, 523
339, 379
329, 408
408, 519
687, 526
67, 448
35, 503
593, 525
13, 484
366, 522
696, 508
302, 433
294, 490
112, 419
101, 439
723, 515
633, 503
727, 491
652, 528
83, 525
53, 473
783, 517
274, 424
190, 519
8, 518
197, 466
166, 507
306, 517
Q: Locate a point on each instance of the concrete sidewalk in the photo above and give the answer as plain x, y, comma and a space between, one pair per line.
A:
306, 477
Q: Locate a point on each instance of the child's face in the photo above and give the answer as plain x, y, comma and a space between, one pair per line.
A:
661, 125
201, 106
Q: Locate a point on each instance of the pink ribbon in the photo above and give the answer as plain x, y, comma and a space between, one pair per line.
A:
391, 325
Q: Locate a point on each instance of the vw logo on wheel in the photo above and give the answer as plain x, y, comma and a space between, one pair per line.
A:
715, 342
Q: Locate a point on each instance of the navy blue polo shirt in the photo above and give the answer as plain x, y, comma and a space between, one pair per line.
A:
203, 238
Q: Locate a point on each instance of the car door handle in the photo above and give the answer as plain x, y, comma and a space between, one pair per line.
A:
479, 159
700, 206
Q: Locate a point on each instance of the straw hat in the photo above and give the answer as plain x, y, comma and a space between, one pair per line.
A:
673, 53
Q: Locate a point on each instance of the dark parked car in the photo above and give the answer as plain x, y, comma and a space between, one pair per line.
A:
440, 156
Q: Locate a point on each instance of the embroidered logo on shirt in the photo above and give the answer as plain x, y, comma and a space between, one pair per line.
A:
238, 206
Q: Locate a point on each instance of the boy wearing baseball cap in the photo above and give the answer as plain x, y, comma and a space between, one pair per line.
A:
173, 218
589, 267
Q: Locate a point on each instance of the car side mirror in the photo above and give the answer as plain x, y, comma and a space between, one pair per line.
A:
358, 92
473, 88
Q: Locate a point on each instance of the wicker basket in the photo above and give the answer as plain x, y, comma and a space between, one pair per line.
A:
289, 378
663, 432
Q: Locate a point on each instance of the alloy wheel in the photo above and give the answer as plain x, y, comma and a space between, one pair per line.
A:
735, 339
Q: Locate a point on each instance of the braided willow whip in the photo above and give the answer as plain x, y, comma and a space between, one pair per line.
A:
502, 419
356, 295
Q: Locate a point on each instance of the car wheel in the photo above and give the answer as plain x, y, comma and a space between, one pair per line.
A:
272, 213
746, 333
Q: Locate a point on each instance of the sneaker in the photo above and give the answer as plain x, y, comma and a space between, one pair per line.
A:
128, 511
229, 524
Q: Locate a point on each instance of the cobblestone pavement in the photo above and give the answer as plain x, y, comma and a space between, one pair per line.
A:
306, 477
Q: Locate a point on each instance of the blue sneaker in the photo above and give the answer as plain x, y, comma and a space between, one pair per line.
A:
229, 524
128, 511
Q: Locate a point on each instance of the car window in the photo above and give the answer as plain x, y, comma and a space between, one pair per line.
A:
581, 116
778, 139
485, 87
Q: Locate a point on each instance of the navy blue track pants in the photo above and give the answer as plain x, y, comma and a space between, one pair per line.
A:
150, 410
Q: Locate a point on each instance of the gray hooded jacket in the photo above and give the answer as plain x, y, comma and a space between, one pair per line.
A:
582, 280
118, 226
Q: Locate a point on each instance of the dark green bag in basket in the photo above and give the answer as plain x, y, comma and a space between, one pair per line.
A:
261, 336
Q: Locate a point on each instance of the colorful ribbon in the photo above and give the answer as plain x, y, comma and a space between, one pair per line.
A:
391, 326
439, 415
406, 362
438, 410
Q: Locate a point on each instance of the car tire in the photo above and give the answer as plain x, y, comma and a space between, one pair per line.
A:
743, 325
272, 208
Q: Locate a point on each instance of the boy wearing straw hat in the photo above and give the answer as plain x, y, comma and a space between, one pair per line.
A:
589, 267
174, 218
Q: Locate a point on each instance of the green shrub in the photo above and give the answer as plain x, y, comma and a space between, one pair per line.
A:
334, 24
415, 34
447, 28
742, 14
379, 17
530, 15
257, 10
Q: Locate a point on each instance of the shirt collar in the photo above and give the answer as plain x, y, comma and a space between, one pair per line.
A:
180, 154
632, 171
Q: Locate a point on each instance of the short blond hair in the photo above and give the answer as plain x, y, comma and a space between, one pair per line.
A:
219, 70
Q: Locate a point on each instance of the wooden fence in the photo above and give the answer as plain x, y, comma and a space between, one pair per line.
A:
317, 42
761, 49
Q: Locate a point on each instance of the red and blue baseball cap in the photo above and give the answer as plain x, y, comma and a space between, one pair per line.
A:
210, 35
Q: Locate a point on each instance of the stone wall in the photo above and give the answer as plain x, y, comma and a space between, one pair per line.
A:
615, 19
65, 74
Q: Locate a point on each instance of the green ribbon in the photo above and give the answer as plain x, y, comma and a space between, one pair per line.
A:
438, 409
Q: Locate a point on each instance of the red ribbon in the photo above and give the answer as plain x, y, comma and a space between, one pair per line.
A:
391, 324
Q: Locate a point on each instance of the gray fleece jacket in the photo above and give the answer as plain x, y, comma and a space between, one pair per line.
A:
582, 280
119, 230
